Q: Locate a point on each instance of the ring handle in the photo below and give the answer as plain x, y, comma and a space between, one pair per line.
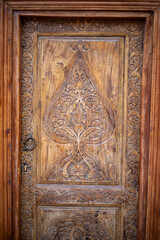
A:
29, 144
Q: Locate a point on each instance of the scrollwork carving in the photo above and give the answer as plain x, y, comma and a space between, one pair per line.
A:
27, 193
78, 115
81, 196
96, 225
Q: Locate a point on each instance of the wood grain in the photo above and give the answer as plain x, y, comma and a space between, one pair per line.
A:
7, 124
153, 200
83, 5
1, 125
145, 122
16, 125
86, 14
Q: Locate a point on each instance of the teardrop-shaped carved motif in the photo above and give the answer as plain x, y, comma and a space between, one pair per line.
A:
79, 115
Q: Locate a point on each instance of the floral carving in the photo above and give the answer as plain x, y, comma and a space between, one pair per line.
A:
77, 227
96, 225
78, 115
81, 24
81, 196
27, 193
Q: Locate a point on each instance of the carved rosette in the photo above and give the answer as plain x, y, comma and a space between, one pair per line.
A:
135, 31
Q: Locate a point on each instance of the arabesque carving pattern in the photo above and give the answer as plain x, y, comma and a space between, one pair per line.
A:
27, 192
96, 225
77, 115
77, 227
81, 196
135, 31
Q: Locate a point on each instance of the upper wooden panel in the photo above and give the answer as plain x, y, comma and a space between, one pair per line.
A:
79, 94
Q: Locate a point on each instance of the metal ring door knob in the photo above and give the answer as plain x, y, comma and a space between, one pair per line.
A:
29, 144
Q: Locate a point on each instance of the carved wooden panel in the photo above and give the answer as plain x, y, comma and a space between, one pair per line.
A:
80, 118
81, 92
74, 223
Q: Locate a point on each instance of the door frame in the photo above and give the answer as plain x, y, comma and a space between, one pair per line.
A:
10, 127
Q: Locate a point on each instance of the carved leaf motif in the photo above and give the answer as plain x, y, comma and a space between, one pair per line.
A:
79, 115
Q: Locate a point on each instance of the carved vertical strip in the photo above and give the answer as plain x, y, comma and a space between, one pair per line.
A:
133, 142
27, 184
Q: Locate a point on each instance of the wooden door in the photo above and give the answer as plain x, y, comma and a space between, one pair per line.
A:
80, 101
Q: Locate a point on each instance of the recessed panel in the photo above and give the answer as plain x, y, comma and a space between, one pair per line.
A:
78, 223
79, 95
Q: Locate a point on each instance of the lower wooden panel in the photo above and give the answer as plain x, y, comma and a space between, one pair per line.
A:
78, 223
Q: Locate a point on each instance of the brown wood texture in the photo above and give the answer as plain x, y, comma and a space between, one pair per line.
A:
16, 124
153, 200
7, 229
7, 129
83, 5
1, 125
145, 121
